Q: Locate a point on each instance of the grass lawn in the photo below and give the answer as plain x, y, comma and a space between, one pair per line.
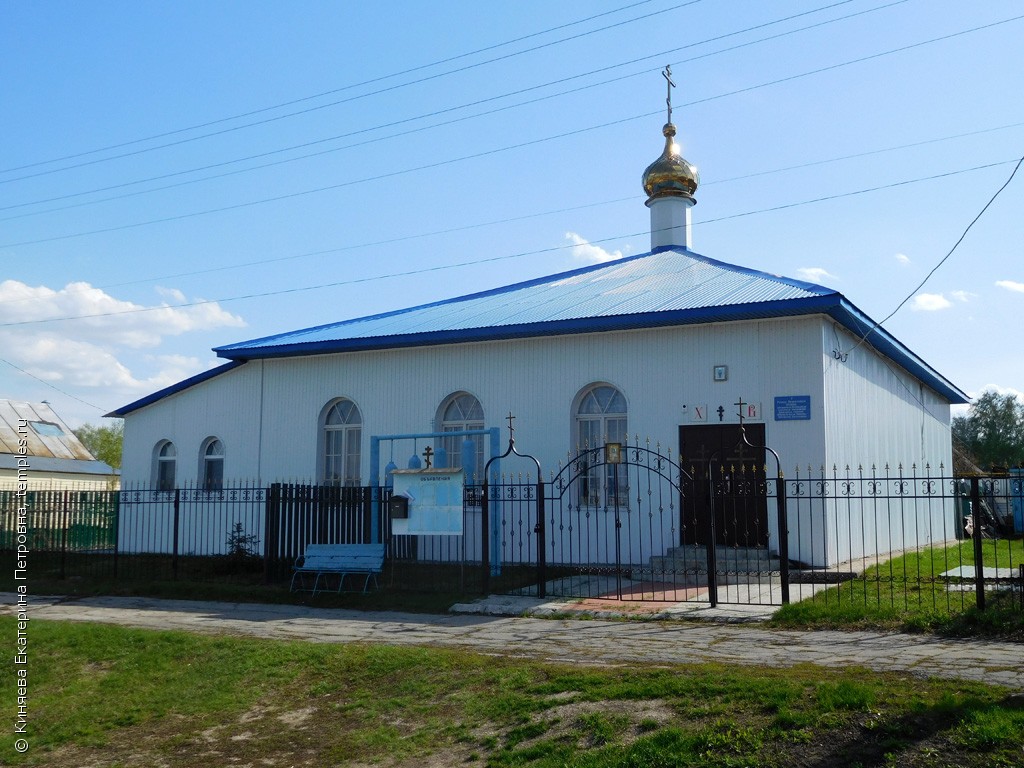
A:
908, 593
111, 696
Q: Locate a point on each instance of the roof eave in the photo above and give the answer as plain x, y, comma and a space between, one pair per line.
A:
754, 311
863, 327
174, 389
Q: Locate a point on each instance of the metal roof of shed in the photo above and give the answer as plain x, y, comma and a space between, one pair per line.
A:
49, 442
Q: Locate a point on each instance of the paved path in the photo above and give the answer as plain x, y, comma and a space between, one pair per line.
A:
574, 640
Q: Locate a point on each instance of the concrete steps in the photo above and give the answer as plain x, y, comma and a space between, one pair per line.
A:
734, 565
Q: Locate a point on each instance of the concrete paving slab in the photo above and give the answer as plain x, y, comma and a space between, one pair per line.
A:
590, 641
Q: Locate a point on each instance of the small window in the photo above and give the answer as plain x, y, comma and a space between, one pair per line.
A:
342, 432
461, 412
212, 469
165, 463
600, 419
46, 429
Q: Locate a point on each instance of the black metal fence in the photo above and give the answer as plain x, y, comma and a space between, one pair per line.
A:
642, 526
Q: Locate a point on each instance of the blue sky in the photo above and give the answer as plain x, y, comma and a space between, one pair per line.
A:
184, 175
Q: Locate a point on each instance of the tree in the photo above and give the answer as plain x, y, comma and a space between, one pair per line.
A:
993, 430
103, 442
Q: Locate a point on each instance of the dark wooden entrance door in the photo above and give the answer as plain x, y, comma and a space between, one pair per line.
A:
728, 479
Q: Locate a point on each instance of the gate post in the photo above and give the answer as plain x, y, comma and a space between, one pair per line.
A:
487, 469
712, 537
541, 530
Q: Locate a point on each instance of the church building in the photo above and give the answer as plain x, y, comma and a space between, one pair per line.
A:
669, 347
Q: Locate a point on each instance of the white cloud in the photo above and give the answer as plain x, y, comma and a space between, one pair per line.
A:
103, 318
815, 274
171, 294
998, 389
963, 296
585, 251
930, 302
902, 258
85, 352
1011, 285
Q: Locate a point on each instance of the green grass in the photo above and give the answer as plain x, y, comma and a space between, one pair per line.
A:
138, 697
908, 593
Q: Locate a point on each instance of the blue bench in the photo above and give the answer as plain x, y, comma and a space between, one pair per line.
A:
341, 560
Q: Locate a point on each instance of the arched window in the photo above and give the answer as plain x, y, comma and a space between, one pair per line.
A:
164, 462
600, 416
342, 430
459, 412
211, 468
600, 419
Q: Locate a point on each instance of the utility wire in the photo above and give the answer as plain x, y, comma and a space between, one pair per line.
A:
349, 99
435, 113
53, 386
496, 150
303, 99
524, 217
945, 258
506, 257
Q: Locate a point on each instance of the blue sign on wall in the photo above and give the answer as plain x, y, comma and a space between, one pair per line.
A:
793, 408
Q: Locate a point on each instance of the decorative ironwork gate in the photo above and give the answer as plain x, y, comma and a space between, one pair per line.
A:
632, 522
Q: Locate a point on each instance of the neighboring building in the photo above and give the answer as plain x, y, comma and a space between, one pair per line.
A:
664, 345
37, 447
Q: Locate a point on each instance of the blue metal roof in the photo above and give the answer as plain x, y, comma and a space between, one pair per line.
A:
656, 288
668, 286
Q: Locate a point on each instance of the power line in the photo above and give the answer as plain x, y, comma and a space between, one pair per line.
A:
444, 267
439, 112
946, 257
349, 99
496, 150
53, 386
536, 214
371, 81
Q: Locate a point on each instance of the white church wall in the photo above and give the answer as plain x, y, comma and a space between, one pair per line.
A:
882, 424
226, 406
658, 371
859, 411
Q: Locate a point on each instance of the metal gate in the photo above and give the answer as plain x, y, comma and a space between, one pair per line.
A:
626, 522
615, 516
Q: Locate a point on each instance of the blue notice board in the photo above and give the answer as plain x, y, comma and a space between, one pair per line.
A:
793, 408
435, 501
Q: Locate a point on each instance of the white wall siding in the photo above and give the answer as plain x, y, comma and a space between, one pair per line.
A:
863, 411
227, 407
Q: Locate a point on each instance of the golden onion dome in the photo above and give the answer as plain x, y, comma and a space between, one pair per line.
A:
671, 175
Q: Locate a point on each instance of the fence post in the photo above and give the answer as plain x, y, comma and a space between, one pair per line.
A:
979, 554
174, 549
485, 536
116, 496
271, 516
780, 501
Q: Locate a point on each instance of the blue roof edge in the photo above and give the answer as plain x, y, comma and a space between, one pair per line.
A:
863, 327
223, 351
833, 304
199, 378
731, 312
